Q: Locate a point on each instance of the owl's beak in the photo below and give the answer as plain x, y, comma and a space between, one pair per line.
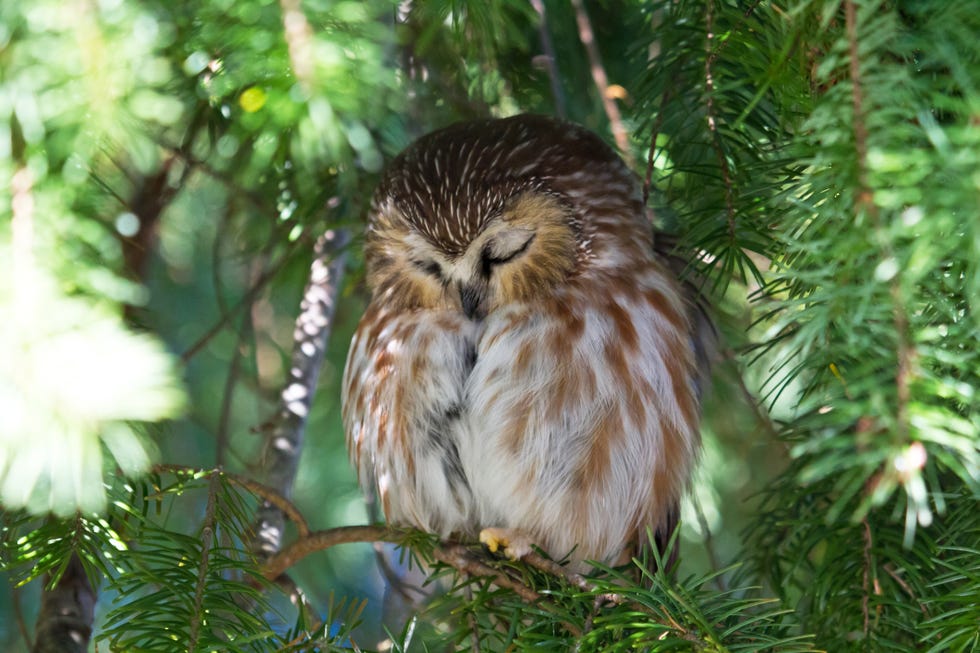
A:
471, 299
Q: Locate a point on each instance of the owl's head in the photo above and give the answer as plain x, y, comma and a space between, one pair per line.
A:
488, 213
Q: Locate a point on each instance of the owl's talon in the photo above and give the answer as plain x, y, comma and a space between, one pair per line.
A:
512, 543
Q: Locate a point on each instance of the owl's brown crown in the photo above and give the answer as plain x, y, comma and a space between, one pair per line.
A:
451, 183
485, 214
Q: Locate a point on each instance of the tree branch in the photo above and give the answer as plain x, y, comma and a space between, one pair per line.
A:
67, 612
462, 559
264, 492
279, 562
18, 611
284, 442
207, 538
459, 557
865, 202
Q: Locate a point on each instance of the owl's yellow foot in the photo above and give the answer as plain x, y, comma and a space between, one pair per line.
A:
511, 542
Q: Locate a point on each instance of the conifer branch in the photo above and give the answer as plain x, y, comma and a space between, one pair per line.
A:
463, 560
459, 557
456, 556
716, 143
865, 202
207, 539
541, 563
264, 492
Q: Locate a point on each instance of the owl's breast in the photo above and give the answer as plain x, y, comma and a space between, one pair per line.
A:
581, 414
404, 408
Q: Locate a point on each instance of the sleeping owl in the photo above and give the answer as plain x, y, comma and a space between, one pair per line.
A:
528, 369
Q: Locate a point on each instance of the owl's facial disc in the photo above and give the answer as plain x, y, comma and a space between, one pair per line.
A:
496, 252
518, 256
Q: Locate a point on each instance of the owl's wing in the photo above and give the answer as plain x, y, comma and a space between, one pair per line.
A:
704, 334
402, 397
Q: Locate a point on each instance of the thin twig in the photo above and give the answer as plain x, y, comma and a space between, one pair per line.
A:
258, 202
551, 58
709, 545
541, 563
322, 540
865, 202
246, 300
25, 633
471, 621
905, 587
456, 556
762, 416
264, 492
228, 393
587, 37
724, 44
866, 578
207, 539
408, 592
300, 600
709, 88
270, 496
589, 621
654, 134
459, 557
217, 284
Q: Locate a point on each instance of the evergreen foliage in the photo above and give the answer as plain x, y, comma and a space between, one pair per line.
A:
171, 164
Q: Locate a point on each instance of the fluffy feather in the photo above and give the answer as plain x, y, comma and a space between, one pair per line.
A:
526, 362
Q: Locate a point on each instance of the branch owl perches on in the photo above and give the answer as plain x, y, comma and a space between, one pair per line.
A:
528, 369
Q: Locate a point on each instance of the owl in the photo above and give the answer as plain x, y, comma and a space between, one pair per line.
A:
528, 370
